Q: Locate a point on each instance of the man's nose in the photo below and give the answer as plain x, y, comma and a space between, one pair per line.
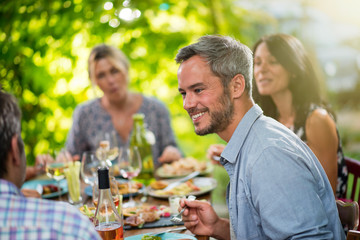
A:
189, 102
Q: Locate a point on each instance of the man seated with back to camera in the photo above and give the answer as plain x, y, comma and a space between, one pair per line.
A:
30, 218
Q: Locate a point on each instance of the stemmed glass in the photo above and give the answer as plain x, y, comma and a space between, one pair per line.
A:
107, 148
89, 166
130, 167
55, 170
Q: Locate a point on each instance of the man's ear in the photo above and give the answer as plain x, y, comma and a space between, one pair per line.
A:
238, 85
14, 151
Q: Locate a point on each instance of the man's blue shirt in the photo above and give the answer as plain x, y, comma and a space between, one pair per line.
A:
278, 189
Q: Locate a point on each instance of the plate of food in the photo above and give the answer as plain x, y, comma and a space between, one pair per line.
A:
183, 167
146, 215
47, 187
164, 236
196, 187
123, 186
141, 216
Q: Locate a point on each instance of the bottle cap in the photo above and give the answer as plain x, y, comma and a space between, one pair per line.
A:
103, 176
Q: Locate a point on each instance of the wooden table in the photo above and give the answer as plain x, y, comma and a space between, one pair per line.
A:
150, 200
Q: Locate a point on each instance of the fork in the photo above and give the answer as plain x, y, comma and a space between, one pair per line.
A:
178, 218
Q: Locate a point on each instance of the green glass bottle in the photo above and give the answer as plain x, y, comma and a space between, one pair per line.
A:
140, 139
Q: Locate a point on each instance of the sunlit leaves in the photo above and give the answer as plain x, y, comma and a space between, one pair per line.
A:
44, 47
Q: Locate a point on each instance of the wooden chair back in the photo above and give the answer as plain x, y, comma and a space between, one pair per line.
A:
353, 167
348, 214
353, 235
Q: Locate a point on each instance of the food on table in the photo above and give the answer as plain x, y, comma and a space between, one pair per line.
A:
131, 211
180, 190
88, 211
134, 221
137, 216
148, 237
124, 187
184, 166
157, 185
115, 170
150, 215
49, 188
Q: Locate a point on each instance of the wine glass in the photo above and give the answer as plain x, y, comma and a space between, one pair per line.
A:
55, 170
89, 166
107, 148
113, 189
130, 167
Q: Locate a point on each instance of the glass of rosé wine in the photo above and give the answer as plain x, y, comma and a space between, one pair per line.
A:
130, 166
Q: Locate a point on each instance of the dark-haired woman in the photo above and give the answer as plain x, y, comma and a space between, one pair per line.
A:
287, 89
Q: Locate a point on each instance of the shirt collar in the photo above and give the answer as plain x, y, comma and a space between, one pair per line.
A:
238, 138
9, 188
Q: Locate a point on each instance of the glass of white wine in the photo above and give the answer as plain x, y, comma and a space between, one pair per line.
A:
107, 148
55, 170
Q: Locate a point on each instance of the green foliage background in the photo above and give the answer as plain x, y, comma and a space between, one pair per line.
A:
45, 44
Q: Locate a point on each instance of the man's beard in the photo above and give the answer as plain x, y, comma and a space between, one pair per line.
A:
220, 118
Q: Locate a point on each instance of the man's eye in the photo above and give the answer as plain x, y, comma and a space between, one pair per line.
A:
198, 90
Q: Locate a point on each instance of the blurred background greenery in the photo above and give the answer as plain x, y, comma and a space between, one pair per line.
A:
44, 48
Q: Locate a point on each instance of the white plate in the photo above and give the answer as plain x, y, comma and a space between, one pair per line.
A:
162, 174
206, 184
165, 236
32, 184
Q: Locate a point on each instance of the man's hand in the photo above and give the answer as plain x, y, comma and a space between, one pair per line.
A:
30, 193
201, 219
214, 152
170, 154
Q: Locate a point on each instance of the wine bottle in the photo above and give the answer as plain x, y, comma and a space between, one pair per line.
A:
143, 138
108, 223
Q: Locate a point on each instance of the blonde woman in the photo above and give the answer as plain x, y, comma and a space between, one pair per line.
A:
109, 69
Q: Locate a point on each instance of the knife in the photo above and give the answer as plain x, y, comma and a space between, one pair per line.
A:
181, 180
166, 231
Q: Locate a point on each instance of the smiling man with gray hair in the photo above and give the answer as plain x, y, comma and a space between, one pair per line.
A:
278, 188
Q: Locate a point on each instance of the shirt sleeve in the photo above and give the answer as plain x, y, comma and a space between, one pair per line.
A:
291, 208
